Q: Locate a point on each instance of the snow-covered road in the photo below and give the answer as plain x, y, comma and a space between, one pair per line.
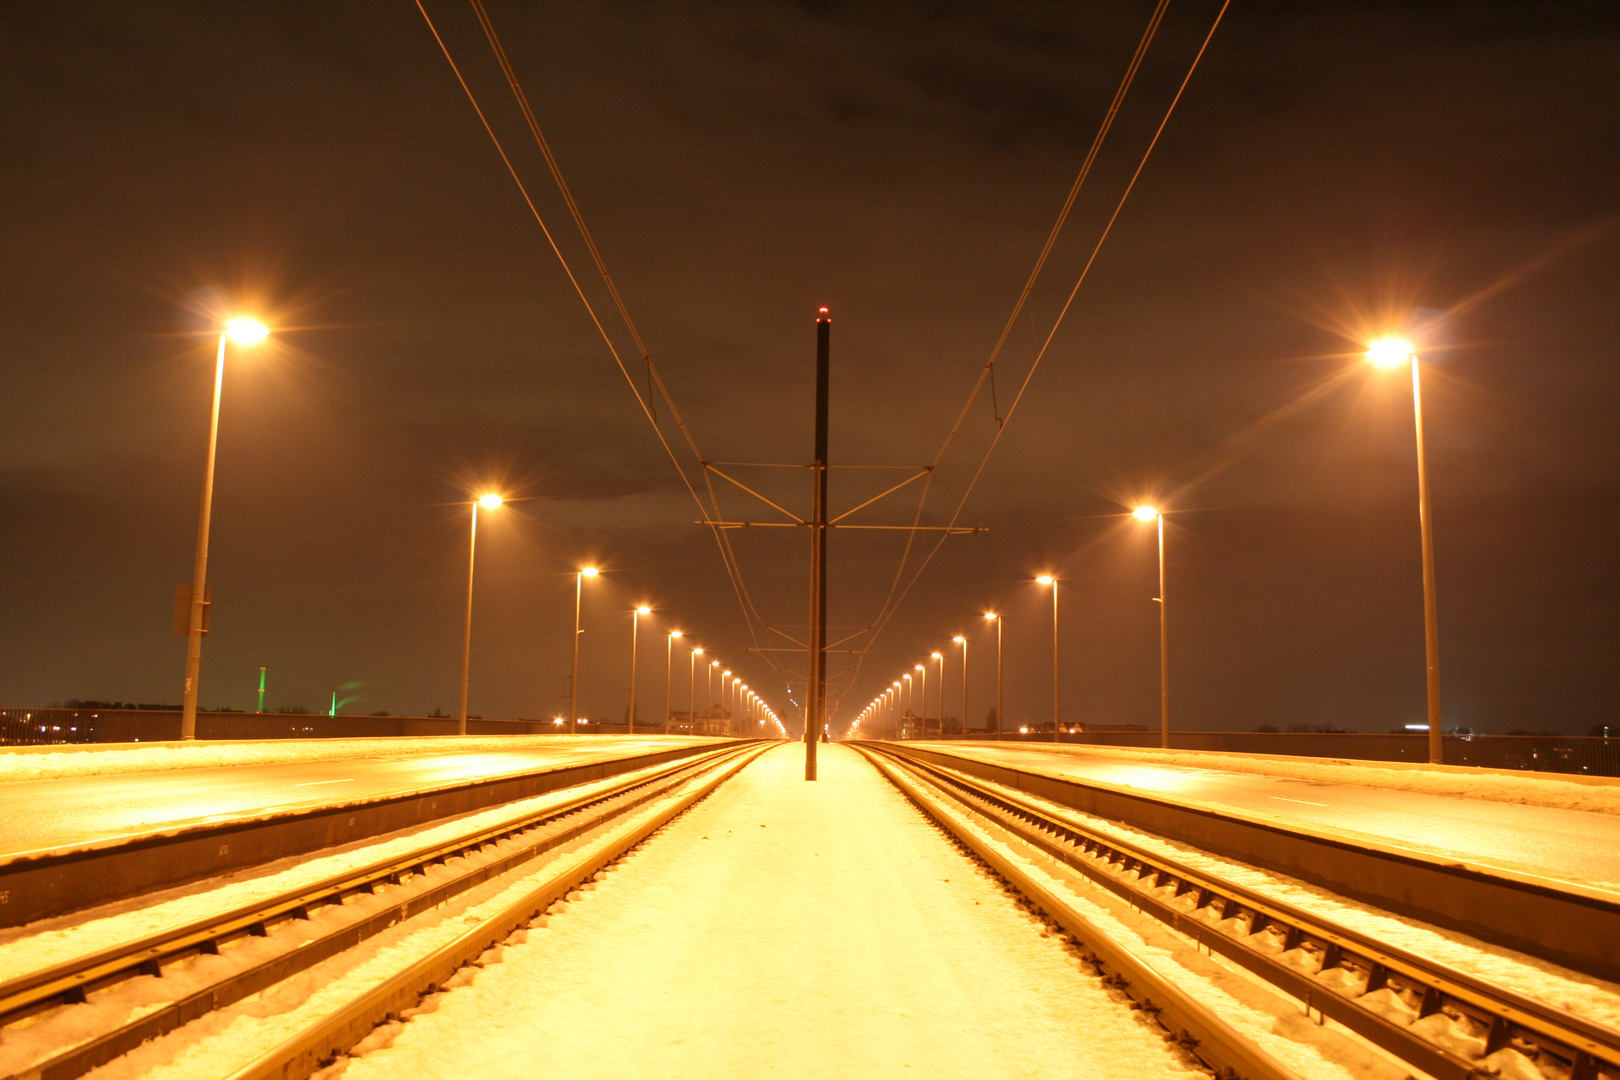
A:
817, 929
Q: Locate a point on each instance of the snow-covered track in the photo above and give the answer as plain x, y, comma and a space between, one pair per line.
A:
1572, 923
69, 984
1436, 1018
43, 884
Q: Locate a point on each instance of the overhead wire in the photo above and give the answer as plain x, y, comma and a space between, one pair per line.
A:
733, 568
1063, 312
897, 592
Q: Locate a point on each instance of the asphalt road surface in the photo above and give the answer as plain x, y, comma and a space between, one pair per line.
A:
1571, 845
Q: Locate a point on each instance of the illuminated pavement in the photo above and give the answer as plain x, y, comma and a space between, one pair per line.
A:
37, 815
1570, 845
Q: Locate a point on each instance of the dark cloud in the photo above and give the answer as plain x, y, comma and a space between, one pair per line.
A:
1333, 167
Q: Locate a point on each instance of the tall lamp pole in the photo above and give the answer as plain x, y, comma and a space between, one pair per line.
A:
490, 501
240, 332
940, 657
960, 639
1151, 513
724, 675
635, 631
691, 690
573, 679
1057, 726
922, 692
993, 615
669, 668
1392, 353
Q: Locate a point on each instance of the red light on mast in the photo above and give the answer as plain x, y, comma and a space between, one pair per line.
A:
821, 315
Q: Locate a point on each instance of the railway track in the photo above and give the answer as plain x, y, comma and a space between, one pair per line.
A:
1444, 1022
49, 993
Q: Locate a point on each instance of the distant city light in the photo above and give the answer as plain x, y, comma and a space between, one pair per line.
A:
1417, 727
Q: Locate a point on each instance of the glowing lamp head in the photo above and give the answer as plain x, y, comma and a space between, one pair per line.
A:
676, 633
1390, 352
643, 610
490, 501
697, 651
959, 639
588, 571
992, 616
725, 673
243, 331
714, 663
1145, 513
1045, 579
917, 667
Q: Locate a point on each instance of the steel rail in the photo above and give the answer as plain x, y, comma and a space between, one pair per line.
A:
71, 981
1255, 931
324, 1040
1187, 1022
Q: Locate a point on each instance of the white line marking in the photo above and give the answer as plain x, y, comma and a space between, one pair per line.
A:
1301, 802
317, 783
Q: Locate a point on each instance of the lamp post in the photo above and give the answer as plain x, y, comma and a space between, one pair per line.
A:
240, 332
1392, 353
897, 715
691, 690
940, 658
708, 692
635, 631
1152, 513
573, 680
911, 697
960, 639
669, 668
724, 675
922, 692
489, 501
1057, 727
997, 618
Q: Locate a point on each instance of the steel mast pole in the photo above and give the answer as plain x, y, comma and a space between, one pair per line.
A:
816, 691
1164, 649
466, 636
998, 678
1431, 621
573, 678
199, 574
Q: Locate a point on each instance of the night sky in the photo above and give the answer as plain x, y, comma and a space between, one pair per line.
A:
1335, 171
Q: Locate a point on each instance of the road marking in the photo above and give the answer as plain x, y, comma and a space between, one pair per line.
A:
317, 783
1301, 802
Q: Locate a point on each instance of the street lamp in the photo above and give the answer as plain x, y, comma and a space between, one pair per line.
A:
573, 680
922, 692
669, 667
708, 692
911, 696
241, 332
940, 657
1392, 352
488, 501
899, 717
635, 631
960, 639
997, 619
724, 675
1050, 579
691, 690
1153, 513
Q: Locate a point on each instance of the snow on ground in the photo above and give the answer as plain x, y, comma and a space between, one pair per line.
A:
46, 763
817, 930
1597, 794
56, 940
1585, 995
221, 1042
